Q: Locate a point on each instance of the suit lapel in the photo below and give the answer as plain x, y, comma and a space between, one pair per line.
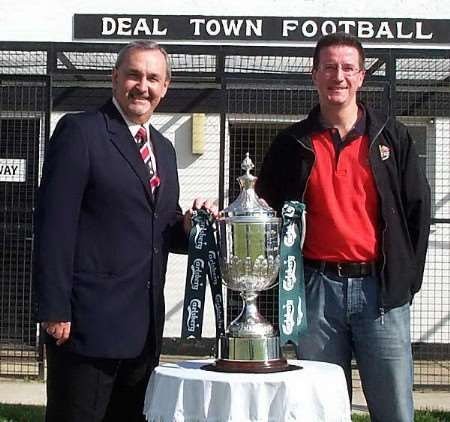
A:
121, 137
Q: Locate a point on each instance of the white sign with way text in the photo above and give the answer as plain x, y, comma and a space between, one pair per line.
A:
12, 170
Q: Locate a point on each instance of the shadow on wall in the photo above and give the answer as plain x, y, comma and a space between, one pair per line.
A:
181, 125
442, 203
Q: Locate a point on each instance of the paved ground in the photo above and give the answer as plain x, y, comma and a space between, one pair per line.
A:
32, 392
436, 400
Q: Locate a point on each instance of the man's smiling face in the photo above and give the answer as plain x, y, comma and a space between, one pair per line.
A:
139, 83
338, 75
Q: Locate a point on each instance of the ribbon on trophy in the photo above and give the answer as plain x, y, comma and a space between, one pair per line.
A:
203, 263
291, 304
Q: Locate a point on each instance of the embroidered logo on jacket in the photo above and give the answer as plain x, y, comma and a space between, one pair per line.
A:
385, 152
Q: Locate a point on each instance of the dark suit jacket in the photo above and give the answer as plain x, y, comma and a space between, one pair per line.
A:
101, 238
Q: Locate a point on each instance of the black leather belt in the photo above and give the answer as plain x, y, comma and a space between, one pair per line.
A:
343, 269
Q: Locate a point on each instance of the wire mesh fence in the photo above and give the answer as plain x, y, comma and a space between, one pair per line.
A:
422, 103
23, 111
264, 90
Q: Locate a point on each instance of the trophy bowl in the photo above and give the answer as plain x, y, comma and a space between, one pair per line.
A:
249, 241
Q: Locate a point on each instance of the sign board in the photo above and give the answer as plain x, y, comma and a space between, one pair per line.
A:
254, 28
12, 170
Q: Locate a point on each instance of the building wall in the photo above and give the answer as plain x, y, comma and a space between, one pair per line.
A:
430, 311
199, 174
199, 177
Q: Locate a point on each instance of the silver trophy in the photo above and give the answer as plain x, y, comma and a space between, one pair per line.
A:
249, 241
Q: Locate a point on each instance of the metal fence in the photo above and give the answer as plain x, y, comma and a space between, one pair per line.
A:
24, 107
257, 91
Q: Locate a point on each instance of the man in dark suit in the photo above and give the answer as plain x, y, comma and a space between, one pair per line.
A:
104, 225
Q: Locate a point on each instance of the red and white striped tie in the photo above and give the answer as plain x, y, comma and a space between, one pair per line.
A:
146, 154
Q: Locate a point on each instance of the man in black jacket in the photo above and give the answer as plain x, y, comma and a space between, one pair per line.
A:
368, 216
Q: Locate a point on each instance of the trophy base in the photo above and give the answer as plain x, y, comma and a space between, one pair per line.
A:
249, 348
254, 367
250, 355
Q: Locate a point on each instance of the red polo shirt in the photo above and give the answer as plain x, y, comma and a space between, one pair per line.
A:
341, 198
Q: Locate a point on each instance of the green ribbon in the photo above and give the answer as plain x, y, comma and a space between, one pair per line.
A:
202, 263
291, 303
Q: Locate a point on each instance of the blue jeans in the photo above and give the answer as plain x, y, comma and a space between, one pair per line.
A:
344, 318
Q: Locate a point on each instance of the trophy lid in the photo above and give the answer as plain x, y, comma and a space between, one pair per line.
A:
248, 204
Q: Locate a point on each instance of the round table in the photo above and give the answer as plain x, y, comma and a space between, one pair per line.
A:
183, 392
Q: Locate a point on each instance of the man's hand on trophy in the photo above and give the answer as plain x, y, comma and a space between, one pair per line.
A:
199, 203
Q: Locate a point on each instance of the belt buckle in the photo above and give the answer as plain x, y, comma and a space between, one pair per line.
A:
339, 270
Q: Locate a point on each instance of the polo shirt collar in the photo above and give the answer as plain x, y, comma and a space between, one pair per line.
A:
357, 131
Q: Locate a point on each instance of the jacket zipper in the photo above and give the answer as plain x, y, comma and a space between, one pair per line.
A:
310, 168
382, 284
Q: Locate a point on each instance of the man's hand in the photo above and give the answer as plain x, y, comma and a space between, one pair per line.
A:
60, 331
199, 203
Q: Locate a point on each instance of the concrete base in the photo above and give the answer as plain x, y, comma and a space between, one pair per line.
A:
423, 400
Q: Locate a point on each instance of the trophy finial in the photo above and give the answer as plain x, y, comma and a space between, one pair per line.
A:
247, 203
247, 163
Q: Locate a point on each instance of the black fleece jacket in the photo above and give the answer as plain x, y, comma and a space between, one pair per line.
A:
404, 195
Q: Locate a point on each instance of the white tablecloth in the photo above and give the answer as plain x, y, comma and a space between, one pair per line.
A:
183, 392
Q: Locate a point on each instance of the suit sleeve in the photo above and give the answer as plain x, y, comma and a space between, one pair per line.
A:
178, 241
417, 205
179, 238
60, 195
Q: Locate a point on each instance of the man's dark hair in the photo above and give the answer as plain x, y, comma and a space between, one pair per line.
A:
143, 45
338, 38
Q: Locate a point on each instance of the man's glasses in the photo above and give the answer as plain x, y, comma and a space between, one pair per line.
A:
330, 69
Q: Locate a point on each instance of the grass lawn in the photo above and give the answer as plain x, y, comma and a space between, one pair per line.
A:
419, 416
22, 413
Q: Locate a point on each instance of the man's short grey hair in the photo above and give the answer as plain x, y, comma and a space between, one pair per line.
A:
143, 45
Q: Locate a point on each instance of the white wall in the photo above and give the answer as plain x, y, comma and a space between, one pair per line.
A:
442, 201
431, 307
199, 177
